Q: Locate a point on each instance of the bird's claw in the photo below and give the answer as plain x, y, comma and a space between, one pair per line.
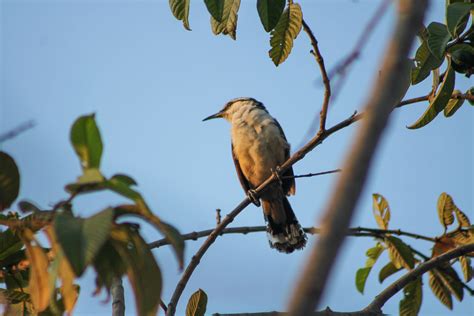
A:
276, 173
252, 195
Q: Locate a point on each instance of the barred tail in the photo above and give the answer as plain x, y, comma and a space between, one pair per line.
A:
283, 230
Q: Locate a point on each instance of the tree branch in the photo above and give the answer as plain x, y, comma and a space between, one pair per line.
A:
356, 231
339, 210
118, 299
379, 301
327, 86
17, 131
342, 67
297, 156
326, 312
459, 96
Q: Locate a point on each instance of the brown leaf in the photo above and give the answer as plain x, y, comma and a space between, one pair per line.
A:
442, 245
39, 285
381, 210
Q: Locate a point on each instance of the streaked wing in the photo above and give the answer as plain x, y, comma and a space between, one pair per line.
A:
289, 185
243, 181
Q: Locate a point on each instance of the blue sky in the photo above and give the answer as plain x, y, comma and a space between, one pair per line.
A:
150, 83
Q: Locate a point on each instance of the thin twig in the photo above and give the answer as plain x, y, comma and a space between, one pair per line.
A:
379, 301
343, 66
458, 96
356, 231
297, 156
308, 175
338, 212
17, 131
327, 86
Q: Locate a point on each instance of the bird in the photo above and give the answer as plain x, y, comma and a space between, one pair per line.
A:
259, 148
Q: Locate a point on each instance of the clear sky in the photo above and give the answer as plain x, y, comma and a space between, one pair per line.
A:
150, 83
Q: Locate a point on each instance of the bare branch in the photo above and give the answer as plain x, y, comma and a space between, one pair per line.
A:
118, 299
308, 175
17, 131
339, 210
326, 312
459, 96
297, 156
356, 232
342, 67
327, 86
379, 301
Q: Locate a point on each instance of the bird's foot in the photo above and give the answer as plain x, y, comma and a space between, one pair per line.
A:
276, 173
252, 195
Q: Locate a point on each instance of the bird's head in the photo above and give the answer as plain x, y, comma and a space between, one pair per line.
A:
235, 106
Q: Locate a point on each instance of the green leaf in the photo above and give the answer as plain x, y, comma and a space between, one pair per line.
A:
286, 30
400, 253
228, 23
27, 207
440, 100
143, 272
425, 61
9, 180
270, 12
361, 277
446, 208
440, 290
381, 210
466, 268
462, 56
197, 304
362, 274
215, 8
108, 266
171, 233
438, 38
180, 10
86, 140
10, 243
387, 271
412, 297
13, 297
124, 179
453, 105
81, 239
457, 15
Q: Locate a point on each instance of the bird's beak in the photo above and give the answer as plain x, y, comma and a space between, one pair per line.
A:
214, 116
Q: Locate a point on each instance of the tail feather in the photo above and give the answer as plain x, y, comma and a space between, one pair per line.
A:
283, 230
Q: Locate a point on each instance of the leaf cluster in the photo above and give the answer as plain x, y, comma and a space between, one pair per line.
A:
283, 22
450, 42
444, 281
39, 279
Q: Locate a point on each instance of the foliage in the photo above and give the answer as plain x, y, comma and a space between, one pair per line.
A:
32, 272
444, 281
450, 42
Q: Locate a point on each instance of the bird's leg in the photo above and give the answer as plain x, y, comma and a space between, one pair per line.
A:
252, 195
276, 173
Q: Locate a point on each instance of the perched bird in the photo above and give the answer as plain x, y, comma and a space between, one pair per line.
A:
259, 147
